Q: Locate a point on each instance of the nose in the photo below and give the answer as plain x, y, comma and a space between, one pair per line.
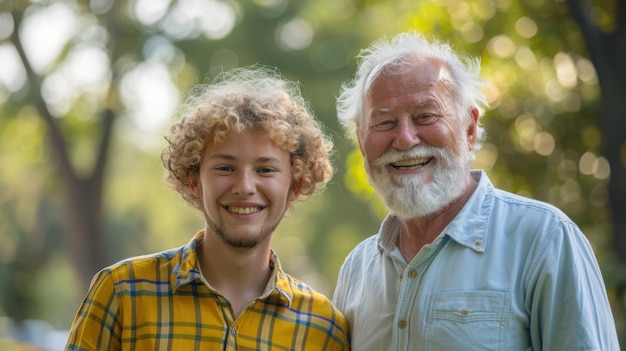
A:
244, 183
405, 135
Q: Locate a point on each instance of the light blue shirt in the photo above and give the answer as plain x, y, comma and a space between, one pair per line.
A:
508, 273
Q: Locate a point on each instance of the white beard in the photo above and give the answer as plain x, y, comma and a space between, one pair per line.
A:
410, 196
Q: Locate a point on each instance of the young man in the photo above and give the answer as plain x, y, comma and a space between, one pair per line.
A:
245, 148
457, 264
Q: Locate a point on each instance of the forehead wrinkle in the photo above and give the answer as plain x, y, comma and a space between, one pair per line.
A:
418, 105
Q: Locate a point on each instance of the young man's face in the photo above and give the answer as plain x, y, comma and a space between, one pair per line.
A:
245, 185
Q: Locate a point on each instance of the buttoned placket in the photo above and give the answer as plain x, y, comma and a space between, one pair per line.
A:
230, 329
231, 335
411, 278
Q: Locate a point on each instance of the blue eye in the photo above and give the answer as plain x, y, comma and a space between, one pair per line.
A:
384, 125
425, 118
266, 170
224, 168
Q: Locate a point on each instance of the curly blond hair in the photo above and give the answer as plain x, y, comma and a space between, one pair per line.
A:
255, 98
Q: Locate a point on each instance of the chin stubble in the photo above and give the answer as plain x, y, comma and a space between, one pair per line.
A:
240, 241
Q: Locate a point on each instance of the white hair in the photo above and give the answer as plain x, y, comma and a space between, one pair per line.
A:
400, 54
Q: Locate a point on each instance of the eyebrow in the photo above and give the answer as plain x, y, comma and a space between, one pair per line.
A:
262, 159
419, 105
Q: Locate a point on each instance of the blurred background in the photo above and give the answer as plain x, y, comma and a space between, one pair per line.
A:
88, 89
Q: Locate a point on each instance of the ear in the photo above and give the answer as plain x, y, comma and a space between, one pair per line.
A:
194, 186
295, 190
472, 128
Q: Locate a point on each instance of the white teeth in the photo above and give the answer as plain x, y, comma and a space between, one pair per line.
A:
244, 210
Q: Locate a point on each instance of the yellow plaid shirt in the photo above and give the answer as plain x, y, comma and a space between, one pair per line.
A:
159, 302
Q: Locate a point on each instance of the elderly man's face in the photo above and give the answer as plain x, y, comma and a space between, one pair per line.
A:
417, 149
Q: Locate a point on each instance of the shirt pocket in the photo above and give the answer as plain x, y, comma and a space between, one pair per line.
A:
467, 320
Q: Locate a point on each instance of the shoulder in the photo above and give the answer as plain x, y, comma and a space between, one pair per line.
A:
539, 227
365, 250
302, 294
301, 290
501, 205
152, 266
314, 303
327, 327
510, 206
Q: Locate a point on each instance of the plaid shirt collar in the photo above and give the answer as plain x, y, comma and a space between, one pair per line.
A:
186, 271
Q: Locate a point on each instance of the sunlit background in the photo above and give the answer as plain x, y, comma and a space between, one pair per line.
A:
66, 65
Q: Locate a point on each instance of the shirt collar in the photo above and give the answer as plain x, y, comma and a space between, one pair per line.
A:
186, 270
279, 282
468, 228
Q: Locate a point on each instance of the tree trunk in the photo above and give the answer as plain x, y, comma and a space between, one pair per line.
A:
608, 54
83, 234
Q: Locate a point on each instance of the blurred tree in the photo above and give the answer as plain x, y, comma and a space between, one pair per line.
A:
83, 202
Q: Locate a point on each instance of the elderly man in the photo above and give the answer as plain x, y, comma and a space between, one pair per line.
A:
457, 264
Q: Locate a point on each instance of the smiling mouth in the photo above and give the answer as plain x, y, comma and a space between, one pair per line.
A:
243, 210
411, 163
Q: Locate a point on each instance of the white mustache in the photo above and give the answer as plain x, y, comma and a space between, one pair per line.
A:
420, 151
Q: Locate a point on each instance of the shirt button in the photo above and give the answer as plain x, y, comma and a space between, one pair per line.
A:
402, 324
412, 273
233, 331
464, 312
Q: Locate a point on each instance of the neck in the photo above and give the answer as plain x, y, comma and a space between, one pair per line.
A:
240, 275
